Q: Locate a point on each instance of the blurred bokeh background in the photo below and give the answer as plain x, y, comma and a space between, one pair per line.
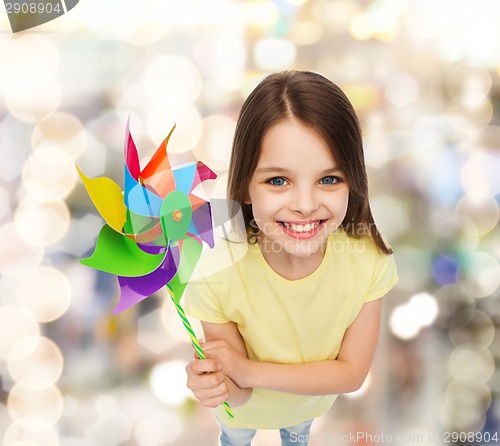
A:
424, 78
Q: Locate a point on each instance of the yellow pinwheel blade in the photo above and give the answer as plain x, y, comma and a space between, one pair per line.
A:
107, 198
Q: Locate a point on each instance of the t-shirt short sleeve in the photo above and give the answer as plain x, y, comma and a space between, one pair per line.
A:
384, 276
201, 301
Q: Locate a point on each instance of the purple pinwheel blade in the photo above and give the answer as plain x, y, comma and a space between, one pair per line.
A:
151, 248
201, 224
135, 289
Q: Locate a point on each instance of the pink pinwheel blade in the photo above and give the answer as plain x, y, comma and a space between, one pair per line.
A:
135, 289
131, 155
203, 173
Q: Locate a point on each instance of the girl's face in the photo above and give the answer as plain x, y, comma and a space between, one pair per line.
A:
298, 194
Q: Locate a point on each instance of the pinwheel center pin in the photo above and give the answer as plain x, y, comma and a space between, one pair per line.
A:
177, 215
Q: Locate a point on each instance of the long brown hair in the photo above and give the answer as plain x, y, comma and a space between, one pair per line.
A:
320, 104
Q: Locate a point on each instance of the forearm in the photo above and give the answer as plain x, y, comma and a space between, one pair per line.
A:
238, 396
315, 378
342, 375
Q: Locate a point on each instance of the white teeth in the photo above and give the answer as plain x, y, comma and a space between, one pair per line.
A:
301, 228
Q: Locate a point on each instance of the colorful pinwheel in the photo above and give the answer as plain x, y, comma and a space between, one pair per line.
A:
154, 230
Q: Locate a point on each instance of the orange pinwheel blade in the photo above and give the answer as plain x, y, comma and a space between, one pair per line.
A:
158, 174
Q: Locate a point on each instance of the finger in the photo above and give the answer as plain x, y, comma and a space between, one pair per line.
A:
205, 381
217, 401
201, 366
195, 368
211, 391
214, 396
196, 355
213, 344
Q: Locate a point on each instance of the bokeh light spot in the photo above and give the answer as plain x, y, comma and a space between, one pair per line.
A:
455, 235
161, 427
31, 432
45, 292
408, 319
479, 176
41, 223
32, 103
471, 362
62, 130
188, 131
49, 174
16, 324
261, 13
18, 257
444, 269
27, 61
216, 141
473, 327
479, 274
173, 325
35, 357
413, 267
35, 398
483, 212
164, 381
274, 54
170, 78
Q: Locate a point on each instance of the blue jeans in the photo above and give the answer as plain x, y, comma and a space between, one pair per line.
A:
297, 435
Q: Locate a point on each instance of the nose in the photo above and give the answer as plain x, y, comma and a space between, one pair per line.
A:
304, 201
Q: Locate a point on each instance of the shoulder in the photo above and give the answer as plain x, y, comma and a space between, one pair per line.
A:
220, 260
360, 253
361, 248
373, 272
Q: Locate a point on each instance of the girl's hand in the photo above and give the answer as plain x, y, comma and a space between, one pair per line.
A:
234, 364
207, 381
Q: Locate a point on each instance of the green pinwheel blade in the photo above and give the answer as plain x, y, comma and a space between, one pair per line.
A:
116, 254
176, 214
190, 254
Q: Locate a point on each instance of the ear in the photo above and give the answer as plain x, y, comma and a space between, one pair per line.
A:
247, 200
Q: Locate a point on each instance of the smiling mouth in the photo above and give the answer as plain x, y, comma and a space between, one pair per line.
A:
299, 229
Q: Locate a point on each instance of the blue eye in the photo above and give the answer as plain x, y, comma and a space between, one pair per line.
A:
277, 181
330, 180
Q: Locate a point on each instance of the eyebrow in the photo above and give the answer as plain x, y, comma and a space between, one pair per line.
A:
272, 169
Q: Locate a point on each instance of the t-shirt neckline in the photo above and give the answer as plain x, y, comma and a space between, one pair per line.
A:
269, 270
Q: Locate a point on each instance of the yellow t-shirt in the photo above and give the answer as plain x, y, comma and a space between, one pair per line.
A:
291, 321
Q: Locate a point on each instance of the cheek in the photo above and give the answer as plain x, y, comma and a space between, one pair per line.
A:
346, 201
263, 215
341, 205
260, 213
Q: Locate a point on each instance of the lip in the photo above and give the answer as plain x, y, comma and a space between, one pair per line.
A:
304, 234
302, 222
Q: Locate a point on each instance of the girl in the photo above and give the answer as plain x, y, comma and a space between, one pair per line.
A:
295, 322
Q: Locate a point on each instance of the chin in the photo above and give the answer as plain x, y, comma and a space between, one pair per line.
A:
304, 249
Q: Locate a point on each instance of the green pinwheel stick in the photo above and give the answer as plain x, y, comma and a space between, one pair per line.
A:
155, 228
